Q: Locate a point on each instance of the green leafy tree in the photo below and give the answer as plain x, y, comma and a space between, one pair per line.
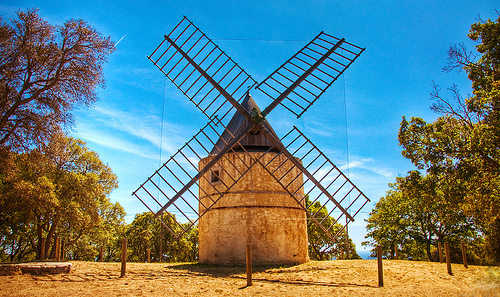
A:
60, 189
386, 223
464, 142
321, 246
417, 213
148, 233
45, 72
109, 232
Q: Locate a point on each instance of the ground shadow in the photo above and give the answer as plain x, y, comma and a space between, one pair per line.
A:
222, 270
307, 283
236, 271
278, 274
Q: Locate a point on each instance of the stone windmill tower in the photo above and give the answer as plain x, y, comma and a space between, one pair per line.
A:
236, 178
257, 209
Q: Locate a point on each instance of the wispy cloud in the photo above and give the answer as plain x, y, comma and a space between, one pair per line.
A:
367, 164
132, 133
147, 128
318, 128
107, 140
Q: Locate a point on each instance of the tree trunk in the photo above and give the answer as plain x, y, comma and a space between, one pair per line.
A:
428, 249
496, 240
39, 229
50, 236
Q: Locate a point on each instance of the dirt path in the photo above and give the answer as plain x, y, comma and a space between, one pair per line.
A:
329, 278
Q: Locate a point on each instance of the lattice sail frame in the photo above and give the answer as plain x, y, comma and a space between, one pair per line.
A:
175, 177
323, 174
217, 86
330, 53
210, 59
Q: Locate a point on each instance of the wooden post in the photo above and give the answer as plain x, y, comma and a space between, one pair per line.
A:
161, 243
380, 268
448, 257
249, 264
42, 249
58, 249
148, 255
346, 243
440, 252
464, 255
101, 254
62, 249
124, 257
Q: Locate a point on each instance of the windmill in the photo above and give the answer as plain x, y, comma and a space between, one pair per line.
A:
236, 177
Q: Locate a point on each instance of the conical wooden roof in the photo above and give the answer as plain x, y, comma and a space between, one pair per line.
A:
251, 142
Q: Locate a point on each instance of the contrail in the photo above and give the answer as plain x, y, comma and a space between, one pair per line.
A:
119, 41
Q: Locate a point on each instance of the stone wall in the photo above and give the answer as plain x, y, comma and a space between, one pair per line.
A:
256, 209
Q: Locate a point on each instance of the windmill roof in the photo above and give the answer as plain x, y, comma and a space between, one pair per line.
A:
251, 142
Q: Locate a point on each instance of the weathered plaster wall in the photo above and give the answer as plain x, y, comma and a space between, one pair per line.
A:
256, 209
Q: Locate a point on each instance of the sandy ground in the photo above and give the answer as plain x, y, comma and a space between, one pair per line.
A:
329, 278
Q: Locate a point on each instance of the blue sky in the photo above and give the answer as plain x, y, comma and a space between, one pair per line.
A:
406, 47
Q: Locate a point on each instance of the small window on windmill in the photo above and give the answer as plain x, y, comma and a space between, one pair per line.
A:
215, 175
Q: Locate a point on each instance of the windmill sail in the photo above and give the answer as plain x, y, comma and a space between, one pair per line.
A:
175, 185
201, 70
301, 80
208, 166
323, 183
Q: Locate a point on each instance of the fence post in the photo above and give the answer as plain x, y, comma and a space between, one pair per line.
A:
249, 264
58, 249
440, 252
101, 254
380, 268
42, 249
464, 255
124, 257
148, 255
347, 255
448, 257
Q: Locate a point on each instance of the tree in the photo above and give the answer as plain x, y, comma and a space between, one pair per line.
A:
321, 246
464, 142
60, 189
148, 233
108, 233
45, 72
418, 212
386, 223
